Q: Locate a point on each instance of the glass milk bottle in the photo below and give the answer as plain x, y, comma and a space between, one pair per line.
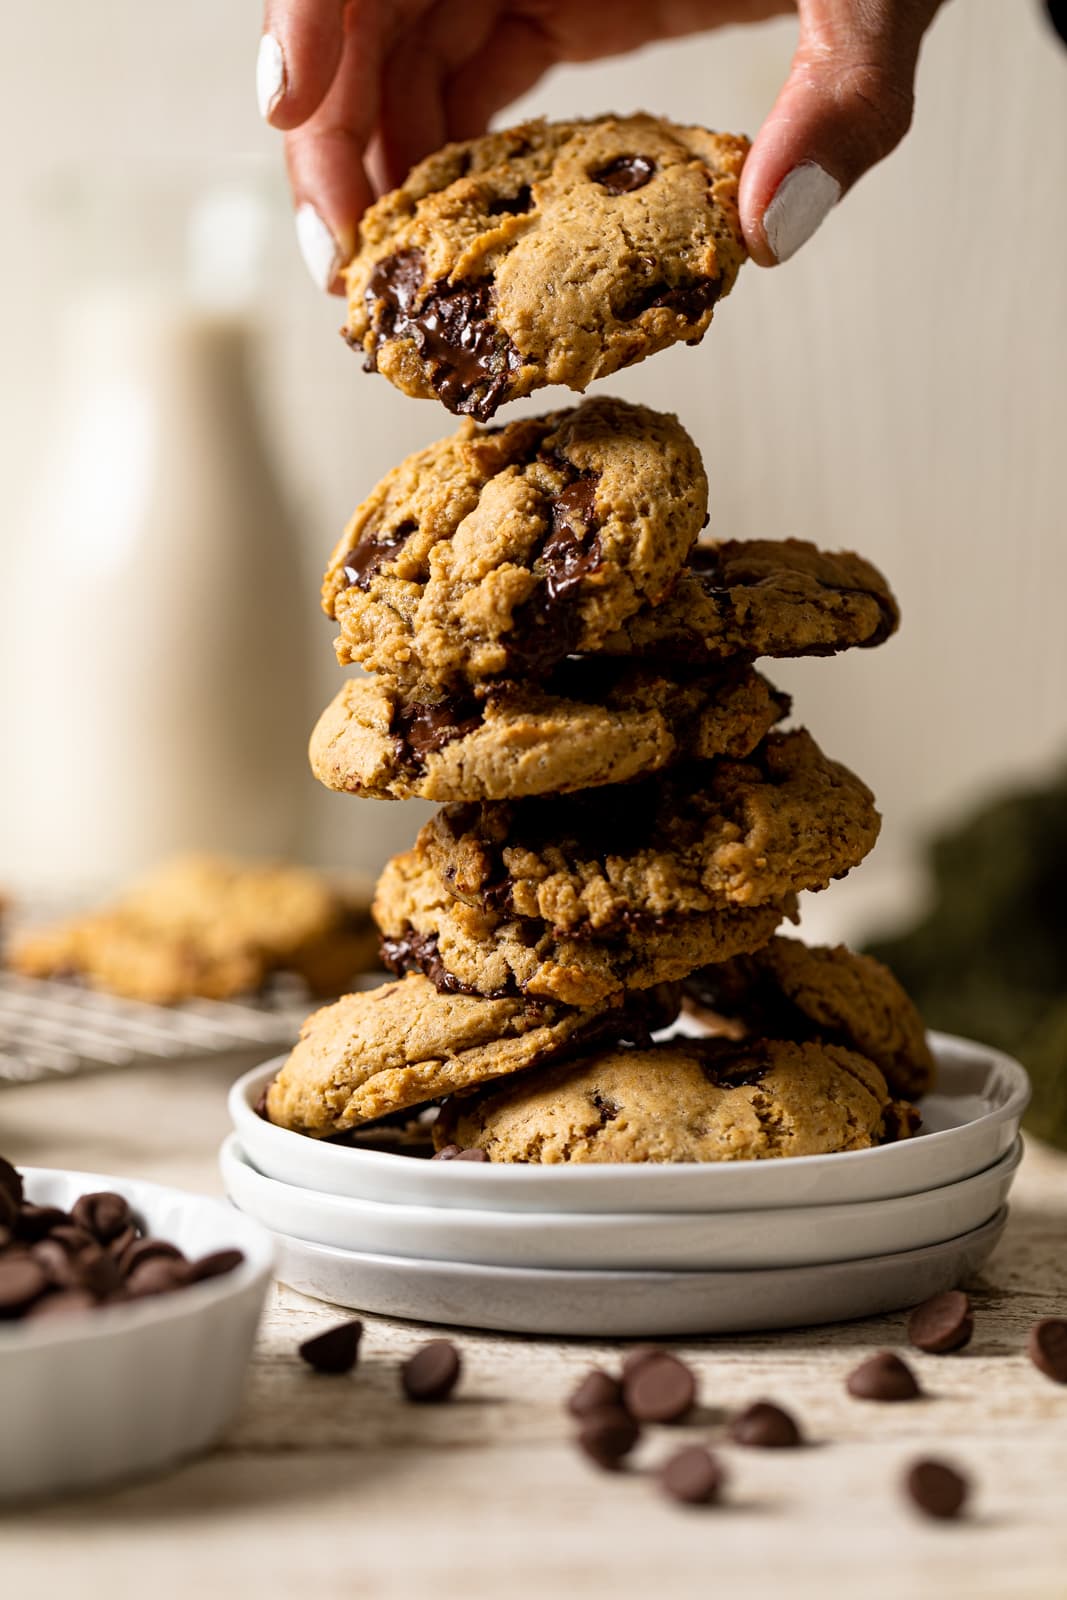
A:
152, 624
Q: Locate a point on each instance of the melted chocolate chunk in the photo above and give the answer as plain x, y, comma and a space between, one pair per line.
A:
421, 728
418, 952
625, 174
728, 1064
369, 555
690, 300
543, 631
511, 205
471, 359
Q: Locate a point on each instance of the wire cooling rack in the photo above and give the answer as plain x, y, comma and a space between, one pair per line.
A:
51, 1028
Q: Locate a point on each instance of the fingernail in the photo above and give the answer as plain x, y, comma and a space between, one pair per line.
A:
270, 74
802, 200
322, 254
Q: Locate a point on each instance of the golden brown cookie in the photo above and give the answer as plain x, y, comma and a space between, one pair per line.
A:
203, 926
763, 597
591, 722
496, 553
694, 839
469, 949
382, 1050
683, 1100
546, 253
791, 990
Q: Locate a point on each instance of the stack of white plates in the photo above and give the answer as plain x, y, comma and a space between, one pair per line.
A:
642, 1251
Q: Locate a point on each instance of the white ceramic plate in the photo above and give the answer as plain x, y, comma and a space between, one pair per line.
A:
131, 1388
970, 1123
631, 1305
679, 1242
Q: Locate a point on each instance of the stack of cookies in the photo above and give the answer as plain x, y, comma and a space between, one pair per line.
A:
557, 660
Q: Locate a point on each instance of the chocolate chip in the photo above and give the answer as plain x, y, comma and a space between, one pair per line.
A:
1047, 1348
421, 728
692, 1476
597, 1390
936, 1489
511, 205
215, 1265
34, 1222
71, 1237
418, 952
689, 300
123, 1242
371, 553
22, 1280
607, 1436
148, 1250
336, 1350
57, 1261
659, 1389
447, 1152
883, 1377
942, 1323
104, 1215
432, 1372
639, 1354
158, 1275
766, 1427
625, 174
11, 1182
471, 1155
470, 359
97, 1273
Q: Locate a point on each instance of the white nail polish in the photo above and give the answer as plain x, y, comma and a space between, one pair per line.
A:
322, 254
270, 74
802, 200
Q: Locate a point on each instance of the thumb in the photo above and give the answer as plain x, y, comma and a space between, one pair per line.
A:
846, 103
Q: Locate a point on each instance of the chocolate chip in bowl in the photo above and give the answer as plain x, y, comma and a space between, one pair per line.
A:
127, 1317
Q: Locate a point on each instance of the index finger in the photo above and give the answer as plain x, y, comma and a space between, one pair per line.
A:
299, 54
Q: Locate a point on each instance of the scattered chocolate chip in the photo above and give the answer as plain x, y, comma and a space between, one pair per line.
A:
635, 1357
1047, 1348
336, 1350
942, 1323
123, 1242
937, 1489
692, 1476
766, 1427
432, 1372
71, 1237
9, 1209
455, 1152
11, 1182
158, 1275
597, 1390
471, 1155
883, 1377
103, 1215
659, 1389
140, 1250
34, 1222
97, 1273
22, 1280
607, 1436
215, 1265
625, 174
57, 1261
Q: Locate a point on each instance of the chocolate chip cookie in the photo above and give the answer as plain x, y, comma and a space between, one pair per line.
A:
591, 722
683, 1100
547, 253
497, 553
383, 1050
763, 597
474, 950
695, 839
791, 990
204, 926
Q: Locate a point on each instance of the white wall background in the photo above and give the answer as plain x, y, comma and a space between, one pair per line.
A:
900, 387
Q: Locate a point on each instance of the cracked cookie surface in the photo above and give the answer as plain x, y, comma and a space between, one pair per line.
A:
545, 253
497, 553
470, 949
793, 990
693, 839
763, 597
682, 1100
592, 722
383, 1050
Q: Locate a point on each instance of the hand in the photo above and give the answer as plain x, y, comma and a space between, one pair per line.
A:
365, 88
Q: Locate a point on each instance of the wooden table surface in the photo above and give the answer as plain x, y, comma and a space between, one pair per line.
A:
336, 1487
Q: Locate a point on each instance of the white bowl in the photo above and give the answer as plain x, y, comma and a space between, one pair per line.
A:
631, 1305
690, 1241
969, 1123
107, 1394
